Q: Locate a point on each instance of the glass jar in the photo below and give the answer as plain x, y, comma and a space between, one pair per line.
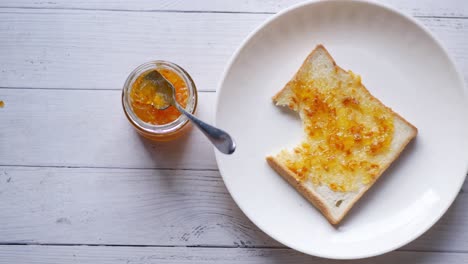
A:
163, 132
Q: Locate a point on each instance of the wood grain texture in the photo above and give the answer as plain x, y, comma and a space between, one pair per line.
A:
449, 8
75, 49
84, 128
151, 207
98, 50
150, 255
72, 58
121, 207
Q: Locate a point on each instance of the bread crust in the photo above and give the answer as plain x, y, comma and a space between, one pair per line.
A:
319, 46
311, 195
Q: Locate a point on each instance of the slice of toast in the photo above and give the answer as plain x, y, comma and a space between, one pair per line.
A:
350, 136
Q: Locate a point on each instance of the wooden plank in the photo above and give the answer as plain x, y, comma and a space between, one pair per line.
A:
89, 129
151, 207
98, 50
41, 48
149, 255
114, 206
450, 8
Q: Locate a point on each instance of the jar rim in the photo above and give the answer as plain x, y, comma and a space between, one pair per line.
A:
165, 128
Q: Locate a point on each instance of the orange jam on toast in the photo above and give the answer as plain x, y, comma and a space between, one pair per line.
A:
347, 130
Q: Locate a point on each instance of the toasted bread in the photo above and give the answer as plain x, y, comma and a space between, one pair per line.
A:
350, 136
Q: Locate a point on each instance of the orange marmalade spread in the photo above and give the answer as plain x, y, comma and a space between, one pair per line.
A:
347, 132
145, 101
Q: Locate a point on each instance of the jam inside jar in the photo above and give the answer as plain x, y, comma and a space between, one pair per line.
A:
140, 101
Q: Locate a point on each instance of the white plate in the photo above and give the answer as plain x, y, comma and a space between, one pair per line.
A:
401, 64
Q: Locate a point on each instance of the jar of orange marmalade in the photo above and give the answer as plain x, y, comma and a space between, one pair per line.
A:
139, 100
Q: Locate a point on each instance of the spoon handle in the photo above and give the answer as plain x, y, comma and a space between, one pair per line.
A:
220, 139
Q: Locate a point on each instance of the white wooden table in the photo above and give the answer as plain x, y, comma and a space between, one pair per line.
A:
77, 185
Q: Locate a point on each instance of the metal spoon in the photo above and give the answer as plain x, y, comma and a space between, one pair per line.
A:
220, 139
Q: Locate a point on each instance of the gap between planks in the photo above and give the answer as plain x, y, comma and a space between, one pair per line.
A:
402, 249
75, 88
183, 11
146, 11
104, 167
38, 254
160, 246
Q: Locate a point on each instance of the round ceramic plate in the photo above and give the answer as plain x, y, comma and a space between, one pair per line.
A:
402, 65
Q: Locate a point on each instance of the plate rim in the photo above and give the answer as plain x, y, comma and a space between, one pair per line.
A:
397, 12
